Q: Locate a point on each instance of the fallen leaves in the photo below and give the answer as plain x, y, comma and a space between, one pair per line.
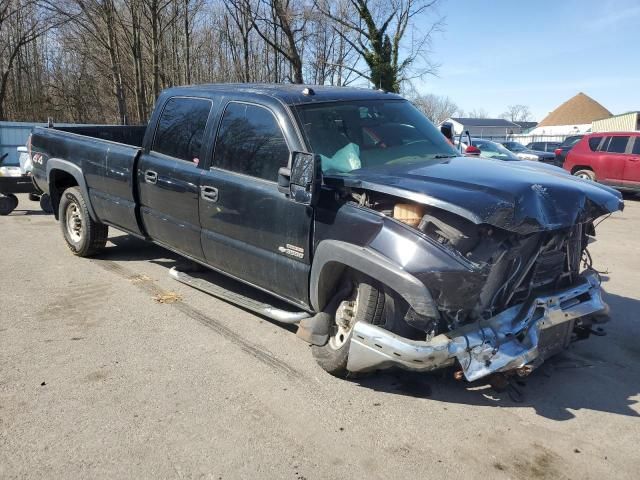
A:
167, 297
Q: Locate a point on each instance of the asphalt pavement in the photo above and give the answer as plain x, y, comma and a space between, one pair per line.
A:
111, 369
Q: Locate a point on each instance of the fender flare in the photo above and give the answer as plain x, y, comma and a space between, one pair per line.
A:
333, 256
76, 172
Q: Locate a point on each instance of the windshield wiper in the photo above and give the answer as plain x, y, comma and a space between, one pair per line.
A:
442, 155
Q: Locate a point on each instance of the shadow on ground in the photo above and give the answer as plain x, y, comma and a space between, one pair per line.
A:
596, 374
21, 212
599, 373
128, 248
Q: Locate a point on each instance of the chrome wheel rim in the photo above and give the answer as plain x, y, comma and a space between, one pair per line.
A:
344, 321
584, 176
74, 222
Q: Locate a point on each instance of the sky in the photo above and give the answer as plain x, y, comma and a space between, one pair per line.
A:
539, 53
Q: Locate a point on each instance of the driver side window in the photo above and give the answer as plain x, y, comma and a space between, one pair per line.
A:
250, 142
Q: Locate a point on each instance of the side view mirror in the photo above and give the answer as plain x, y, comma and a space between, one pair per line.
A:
447, 130
302, 181
472, 150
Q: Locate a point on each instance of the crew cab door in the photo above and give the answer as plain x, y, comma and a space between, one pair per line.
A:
251, 230
169, 174
632, 164
611, 159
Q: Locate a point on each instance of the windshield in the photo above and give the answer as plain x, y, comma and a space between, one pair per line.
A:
353, 135
493, 150
516, 147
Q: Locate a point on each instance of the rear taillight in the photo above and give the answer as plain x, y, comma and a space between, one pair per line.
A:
558, 152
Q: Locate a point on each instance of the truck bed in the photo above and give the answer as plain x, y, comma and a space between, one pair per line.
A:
129, 135
103, 159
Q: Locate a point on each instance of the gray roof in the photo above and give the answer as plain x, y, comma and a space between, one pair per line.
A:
485, 122
526, 124
291, 94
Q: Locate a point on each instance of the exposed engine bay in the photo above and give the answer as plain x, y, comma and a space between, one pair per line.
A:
512, 281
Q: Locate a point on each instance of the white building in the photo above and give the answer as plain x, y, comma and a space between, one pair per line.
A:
626, 122
498, 128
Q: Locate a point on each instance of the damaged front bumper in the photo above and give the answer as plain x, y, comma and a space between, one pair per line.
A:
521, 336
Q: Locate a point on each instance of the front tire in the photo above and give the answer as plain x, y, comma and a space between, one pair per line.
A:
585, 175
364, 303
83, 235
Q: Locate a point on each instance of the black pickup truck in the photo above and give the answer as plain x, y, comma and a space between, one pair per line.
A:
352, 207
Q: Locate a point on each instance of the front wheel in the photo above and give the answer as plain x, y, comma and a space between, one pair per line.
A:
585, 175
83, 235
364, 303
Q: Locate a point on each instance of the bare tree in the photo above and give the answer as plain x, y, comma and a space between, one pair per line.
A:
287, 20
437, 108
22, 22
478, 113
380, 30
517, 113
107, 60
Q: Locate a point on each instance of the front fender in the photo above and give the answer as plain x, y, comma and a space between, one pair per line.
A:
333, 256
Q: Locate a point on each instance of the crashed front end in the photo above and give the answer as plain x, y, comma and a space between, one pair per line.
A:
513, 294
517, 339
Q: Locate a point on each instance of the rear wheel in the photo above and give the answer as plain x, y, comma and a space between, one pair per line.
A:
364, 303
83, 235
8, 203
585, 175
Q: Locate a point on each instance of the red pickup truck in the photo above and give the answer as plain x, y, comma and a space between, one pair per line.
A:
612, 158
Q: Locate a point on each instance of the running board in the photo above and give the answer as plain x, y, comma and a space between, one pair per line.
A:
269, 311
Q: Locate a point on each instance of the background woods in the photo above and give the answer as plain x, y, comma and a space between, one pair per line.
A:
105, 61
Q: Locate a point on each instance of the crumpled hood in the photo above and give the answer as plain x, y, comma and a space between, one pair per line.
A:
522, 196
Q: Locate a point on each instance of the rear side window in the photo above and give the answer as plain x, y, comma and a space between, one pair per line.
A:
571, 141
250, 141
636, 146
618, 144
594, 142
181, 128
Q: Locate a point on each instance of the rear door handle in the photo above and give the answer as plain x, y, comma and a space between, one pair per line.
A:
208, 193
150, 176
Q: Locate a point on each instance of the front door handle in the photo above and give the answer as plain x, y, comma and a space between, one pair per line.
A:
210, 194
150, 176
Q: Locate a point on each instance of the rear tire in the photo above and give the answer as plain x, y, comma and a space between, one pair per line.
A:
83, 235
8, 203
585, 175
365, 303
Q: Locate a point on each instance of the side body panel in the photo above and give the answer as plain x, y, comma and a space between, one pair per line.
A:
631, 177
169, 189
251, 230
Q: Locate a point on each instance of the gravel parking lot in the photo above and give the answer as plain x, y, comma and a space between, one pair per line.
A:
110, 369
